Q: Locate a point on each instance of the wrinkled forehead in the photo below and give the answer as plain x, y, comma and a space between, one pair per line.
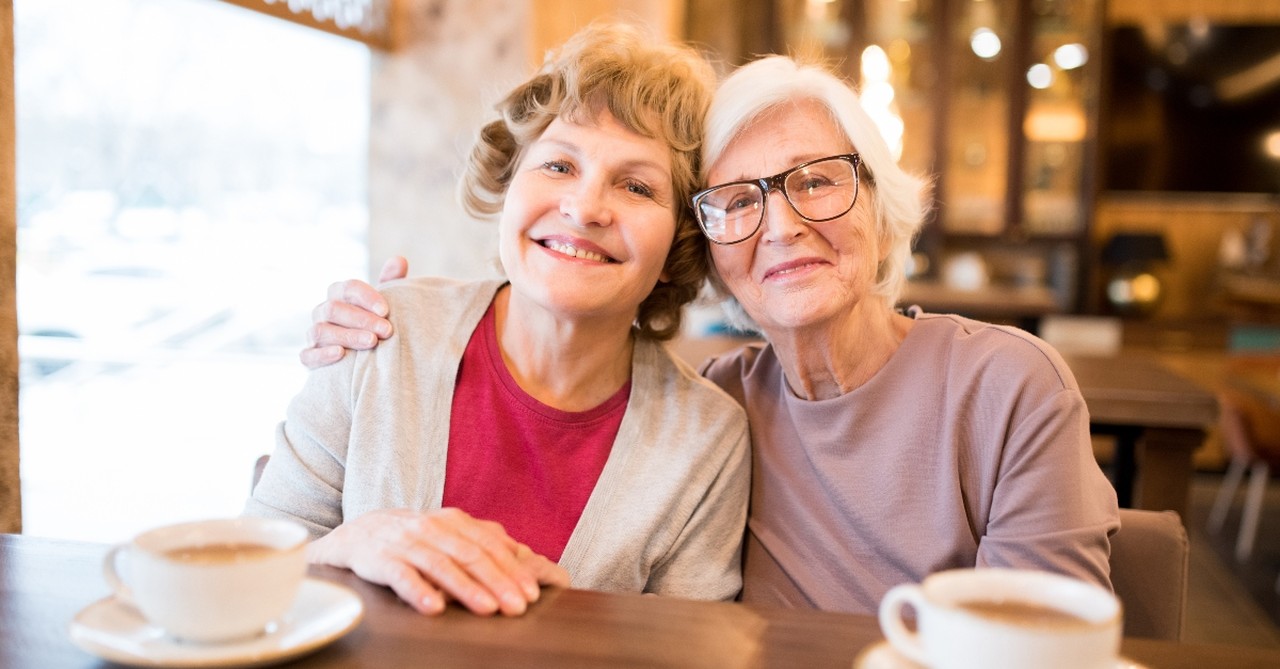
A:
779, 137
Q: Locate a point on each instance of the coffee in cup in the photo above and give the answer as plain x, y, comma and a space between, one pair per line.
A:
211, 580
1004, 619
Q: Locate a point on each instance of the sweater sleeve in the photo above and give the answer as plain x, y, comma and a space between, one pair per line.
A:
705, 561
1051, 508
303, 480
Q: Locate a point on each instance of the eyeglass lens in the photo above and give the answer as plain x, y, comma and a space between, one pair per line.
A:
819, 191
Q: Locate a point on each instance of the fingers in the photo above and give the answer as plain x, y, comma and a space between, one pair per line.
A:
380, 547
426, 557
353, 317
441, 569
343, 324
485, 557
357, 293
545, 571
396, 267
315, 358
504, 552
328, 334
408, 585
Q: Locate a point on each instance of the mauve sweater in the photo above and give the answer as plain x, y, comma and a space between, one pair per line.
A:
970, 447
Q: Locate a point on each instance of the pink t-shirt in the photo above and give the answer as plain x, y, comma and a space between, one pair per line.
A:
517, 461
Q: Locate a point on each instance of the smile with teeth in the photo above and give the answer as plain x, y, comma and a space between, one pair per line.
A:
575, 252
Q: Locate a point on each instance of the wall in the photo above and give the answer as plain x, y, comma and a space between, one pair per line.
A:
1193, 225
1136, 11
429, 98
10, 490
553, 21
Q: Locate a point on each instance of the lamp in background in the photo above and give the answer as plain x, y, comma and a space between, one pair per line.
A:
1133, 285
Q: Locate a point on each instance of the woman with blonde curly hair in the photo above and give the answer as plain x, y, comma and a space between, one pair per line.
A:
534, 429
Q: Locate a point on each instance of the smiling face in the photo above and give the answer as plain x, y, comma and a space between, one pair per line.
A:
588, 220
793, 273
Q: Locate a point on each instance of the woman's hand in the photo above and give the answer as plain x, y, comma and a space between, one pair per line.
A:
428, 556
352, 317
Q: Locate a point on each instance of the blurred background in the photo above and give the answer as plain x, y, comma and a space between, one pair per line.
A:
192, 174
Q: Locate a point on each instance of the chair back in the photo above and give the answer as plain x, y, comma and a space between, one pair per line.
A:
1248, 419
1149, 558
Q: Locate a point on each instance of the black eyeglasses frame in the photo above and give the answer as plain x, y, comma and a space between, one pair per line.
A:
777, 183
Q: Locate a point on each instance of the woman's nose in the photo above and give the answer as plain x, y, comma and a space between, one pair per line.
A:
781, 222
585, 205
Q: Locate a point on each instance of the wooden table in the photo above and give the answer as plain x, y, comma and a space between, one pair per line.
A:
43, 583
1158, 418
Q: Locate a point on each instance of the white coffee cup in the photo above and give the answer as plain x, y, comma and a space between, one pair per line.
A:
211, 580
1004, 619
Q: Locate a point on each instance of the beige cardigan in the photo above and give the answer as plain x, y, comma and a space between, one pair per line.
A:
371, 432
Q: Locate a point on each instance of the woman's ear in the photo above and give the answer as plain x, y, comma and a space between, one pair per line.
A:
886, 245
885, 233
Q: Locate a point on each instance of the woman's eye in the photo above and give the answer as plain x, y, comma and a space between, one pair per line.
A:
557, 166
637, 188
814, 182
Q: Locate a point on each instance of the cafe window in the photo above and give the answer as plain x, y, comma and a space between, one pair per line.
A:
191, 176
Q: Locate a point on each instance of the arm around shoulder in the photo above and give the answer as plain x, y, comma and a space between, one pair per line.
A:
1052, 508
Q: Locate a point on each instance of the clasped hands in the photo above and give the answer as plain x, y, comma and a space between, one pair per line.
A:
429, 556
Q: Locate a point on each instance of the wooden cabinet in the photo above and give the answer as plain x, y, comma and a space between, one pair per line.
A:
1008, 90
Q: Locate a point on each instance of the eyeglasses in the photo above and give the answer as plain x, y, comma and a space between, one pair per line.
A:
819, 190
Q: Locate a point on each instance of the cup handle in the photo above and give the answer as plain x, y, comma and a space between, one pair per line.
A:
110, 572
902, 639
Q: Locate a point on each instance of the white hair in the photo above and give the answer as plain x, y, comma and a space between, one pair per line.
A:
899, 198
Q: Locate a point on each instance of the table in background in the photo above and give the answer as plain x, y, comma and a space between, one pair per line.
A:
1159, 419
43, 583
1023, 306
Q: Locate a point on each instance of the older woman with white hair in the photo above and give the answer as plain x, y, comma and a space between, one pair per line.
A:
886, 444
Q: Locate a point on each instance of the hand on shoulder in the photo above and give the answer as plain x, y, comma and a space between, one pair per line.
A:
353, 316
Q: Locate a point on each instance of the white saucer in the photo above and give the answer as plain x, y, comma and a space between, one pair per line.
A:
323, 612
881, 655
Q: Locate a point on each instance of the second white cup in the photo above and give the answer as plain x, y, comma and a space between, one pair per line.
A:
1004, 619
